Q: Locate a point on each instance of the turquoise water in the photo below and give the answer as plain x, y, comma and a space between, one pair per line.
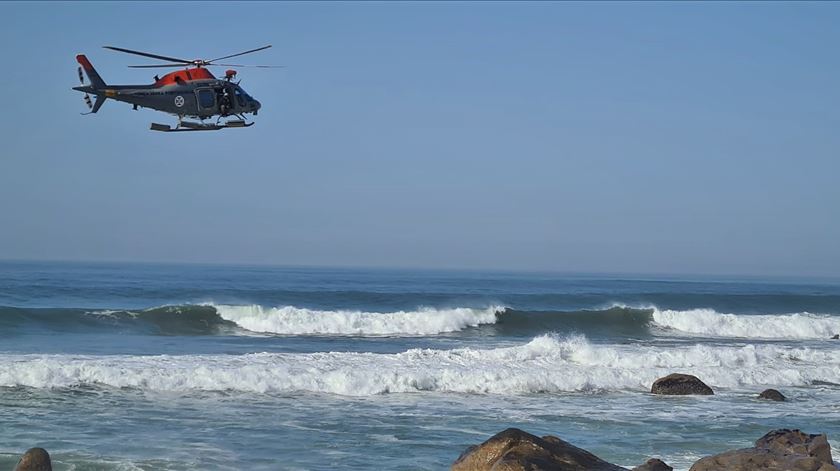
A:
116, 366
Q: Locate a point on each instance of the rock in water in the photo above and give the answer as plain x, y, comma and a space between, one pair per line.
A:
796, 442
772, 395
680, 384
836, 337
35, 459
653, 464
788, 450
516, 450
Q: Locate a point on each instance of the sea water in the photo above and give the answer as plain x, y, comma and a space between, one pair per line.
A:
157, 367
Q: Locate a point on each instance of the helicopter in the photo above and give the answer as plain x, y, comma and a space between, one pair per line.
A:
192, 92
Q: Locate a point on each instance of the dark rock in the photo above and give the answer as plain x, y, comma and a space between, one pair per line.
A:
836, 337
653, 464
516, 450
772, 395
35, 459
796, 442
680, 384
783, 450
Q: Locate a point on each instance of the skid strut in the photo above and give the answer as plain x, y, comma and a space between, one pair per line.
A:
192, 126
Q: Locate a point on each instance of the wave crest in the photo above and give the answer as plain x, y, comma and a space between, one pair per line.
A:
289, 320
710, 323
613, 321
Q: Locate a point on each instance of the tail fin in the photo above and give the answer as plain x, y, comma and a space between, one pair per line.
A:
95, 80
98, 103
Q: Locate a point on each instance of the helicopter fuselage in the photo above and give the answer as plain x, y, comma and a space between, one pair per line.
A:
197, 98
191, 91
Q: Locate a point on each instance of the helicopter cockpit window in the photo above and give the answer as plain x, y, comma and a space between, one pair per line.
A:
240, 97
206, 98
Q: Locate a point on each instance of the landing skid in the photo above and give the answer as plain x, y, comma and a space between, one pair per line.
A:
191, 126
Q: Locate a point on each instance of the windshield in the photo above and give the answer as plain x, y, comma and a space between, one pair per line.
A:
241, 96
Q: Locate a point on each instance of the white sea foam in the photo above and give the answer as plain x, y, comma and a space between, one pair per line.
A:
707, 322
290, 320
545, 364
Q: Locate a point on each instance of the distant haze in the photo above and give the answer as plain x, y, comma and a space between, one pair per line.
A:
620, 137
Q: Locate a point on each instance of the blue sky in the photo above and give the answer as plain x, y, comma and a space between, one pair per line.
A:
607, 137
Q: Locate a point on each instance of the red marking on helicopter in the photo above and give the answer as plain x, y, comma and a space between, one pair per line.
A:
84, 62
180, 76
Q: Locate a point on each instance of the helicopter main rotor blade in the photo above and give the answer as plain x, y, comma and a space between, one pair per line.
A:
164, 66
247, 65
161, 66
146, 54
240, 53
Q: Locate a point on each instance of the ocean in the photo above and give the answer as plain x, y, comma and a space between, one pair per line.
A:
170, 367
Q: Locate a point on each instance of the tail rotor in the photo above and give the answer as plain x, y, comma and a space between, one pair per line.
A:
88, 101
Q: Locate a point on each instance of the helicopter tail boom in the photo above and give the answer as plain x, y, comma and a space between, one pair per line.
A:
95, 80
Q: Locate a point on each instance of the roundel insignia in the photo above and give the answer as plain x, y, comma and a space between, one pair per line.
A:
179, 101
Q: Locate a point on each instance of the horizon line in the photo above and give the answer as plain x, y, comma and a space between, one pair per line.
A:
624, 275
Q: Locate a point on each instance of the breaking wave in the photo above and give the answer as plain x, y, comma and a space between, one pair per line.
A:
709, 323
164, 320
546, 364
227, 319
290, 320
614, 321
645, 321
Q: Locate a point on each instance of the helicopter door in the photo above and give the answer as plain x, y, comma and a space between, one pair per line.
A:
240, 99
206, 99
